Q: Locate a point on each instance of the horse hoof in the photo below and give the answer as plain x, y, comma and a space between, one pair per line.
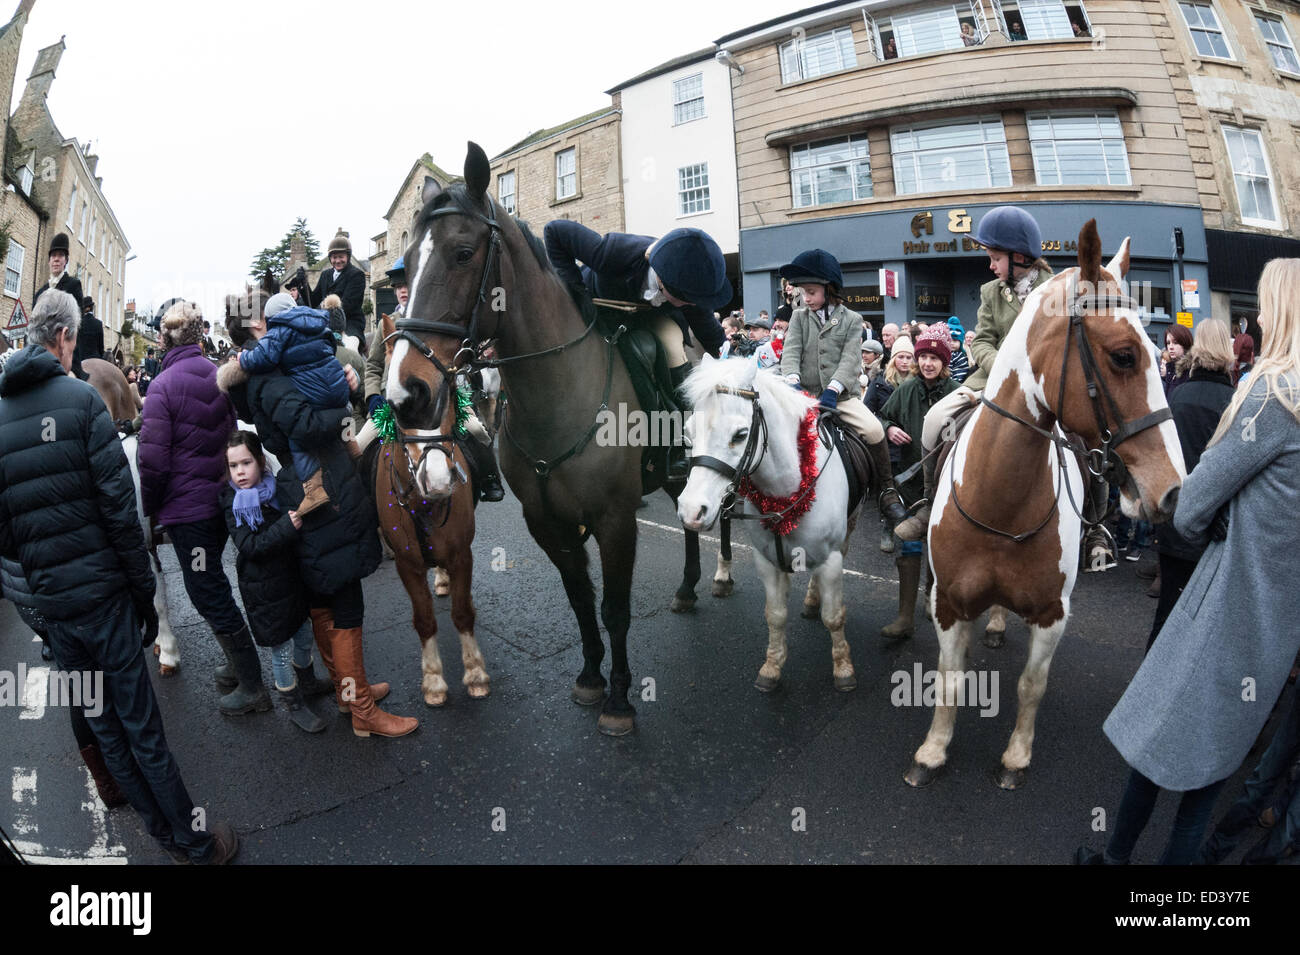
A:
1009, 778
920, 775
846, 683
993, 639
723, 588
682, 606
587, 695
479, 691
441, 590
616, 724
811, 611
165, 670
767, 683
436, 699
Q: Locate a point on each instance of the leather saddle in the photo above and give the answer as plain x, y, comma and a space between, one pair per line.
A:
647, 367
855, 457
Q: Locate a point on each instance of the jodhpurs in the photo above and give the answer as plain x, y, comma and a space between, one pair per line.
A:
669, 334
941, 412
855, 414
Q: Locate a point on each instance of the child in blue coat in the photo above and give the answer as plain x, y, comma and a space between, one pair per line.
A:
298, 341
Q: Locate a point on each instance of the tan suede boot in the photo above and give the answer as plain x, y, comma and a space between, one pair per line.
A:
322, 625
313, 494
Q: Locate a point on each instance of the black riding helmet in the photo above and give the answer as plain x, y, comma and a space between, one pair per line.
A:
815, 267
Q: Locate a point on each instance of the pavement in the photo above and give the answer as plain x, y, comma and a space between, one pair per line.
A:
715, 772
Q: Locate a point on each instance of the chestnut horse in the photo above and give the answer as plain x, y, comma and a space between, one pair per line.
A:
1076, 372
426, 503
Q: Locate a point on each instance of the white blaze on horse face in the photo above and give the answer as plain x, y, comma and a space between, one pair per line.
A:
394, 390
700, 502
433, 476
426, 250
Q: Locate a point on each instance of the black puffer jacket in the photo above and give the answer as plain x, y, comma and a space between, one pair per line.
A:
269, 581
1197, 404
67, 502
13, 585
339, 542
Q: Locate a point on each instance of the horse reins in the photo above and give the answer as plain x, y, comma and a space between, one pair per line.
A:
1102, 462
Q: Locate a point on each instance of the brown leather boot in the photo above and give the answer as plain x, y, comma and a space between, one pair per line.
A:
367, 718
354, 449
322, 625
909, 576
913, 529
104, 781
313, 494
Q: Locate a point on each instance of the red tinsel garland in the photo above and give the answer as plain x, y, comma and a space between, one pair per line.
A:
798, 505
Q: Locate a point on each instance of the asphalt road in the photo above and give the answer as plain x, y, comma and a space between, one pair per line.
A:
715, 772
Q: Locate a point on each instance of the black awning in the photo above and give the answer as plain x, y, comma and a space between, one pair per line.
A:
1237, 259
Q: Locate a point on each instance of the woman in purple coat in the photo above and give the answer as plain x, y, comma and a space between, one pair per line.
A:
187, 422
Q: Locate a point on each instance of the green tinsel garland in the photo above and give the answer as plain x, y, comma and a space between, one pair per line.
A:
386, 422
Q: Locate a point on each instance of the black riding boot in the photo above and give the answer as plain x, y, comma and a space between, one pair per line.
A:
302, 715
250, 694
890, 503
913, 529
679, 462
311, 685
485, 469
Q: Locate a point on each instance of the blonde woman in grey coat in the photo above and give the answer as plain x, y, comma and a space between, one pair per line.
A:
1205, 689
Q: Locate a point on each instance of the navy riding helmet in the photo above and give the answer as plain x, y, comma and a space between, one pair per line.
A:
1010, 229
815, 266
690, 266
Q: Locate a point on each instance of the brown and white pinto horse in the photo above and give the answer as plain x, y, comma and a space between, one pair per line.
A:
1005, 526
423, 478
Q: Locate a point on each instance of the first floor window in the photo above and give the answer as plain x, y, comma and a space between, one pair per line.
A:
939, 158
14, 268
832, 170
1207, 34
1279, 44
566, 174
1250, 170
72, 207
506, 192
693, 189
688, 99
1078, 148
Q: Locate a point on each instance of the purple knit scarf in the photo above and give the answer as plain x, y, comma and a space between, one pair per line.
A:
248, 501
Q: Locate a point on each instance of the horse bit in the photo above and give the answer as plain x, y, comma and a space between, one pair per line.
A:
1103, 462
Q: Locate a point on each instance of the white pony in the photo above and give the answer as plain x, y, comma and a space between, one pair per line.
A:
747, 424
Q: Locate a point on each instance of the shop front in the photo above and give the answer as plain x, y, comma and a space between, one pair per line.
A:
921, 265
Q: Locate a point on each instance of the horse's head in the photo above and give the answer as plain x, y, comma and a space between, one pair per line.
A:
420, 371
1108, 389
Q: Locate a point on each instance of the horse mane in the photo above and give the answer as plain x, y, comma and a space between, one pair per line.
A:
733, 373
459, 194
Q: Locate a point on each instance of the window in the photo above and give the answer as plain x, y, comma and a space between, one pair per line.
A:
85, 221
806, 57
1208, 36
72, 207
94, 222
693, 189
566, 174
1251, 172
960, 156
832, 170
506, 192
1044, 20
1078, 148
14, 268
27, 174
1278, 42
688, 99
949, 27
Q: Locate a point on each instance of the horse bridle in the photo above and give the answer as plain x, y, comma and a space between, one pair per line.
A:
1103, 461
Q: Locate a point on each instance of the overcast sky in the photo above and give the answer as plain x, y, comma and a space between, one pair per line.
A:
218, 124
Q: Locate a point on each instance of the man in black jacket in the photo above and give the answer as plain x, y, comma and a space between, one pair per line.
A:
90, 337
347, 282
60, 277
68, 516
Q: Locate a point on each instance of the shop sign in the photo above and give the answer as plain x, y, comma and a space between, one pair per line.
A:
864, 298
1191, 295
1184, 319
889, 282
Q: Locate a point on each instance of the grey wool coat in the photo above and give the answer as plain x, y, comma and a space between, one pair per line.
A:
817, 355
1205, 689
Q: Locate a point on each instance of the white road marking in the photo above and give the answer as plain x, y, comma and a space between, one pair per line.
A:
100, 852
736, 545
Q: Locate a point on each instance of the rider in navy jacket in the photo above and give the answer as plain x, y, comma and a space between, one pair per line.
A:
618, 266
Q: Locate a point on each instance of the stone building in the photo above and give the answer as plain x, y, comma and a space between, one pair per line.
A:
21, 217
570, 171
64, 186
1236, 72
391, 244
882, 134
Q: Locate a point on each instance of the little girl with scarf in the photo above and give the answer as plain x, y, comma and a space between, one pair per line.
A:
265, 532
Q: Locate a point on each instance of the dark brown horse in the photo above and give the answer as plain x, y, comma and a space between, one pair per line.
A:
426, 511
478, 274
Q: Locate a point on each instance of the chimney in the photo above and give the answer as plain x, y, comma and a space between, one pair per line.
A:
38, 84
91, 159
